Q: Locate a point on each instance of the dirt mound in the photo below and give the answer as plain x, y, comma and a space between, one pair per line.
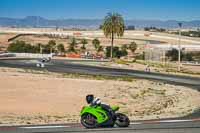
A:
38, 98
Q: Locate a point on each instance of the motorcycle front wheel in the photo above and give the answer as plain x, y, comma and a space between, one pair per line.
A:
122, 120
89, 121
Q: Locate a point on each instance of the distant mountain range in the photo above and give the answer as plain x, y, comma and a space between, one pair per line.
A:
36, 21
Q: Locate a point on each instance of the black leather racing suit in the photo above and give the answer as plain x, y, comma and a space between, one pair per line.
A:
105, 107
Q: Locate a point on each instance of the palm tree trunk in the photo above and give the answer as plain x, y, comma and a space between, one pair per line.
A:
40, 49
112, 41
51, 50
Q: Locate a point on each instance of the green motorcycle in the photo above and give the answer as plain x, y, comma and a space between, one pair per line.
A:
97, 116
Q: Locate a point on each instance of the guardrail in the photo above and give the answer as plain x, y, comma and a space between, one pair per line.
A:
191, 63
13, 38
27, 55
6, 55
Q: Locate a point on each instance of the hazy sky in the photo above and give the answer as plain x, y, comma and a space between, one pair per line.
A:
130, 9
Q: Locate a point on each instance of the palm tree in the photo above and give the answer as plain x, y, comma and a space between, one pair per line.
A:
61, 48
52, 44
113, 25
96, 43
72, 45
38, 48
133, 47
84, 42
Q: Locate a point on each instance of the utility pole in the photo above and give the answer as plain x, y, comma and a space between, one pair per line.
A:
163, 57
41, 49
179, 47
146, 52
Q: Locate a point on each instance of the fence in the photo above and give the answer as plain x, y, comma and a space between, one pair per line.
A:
31, 55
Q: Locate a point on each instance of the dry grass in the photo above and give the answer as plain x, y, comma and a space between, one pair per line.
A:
4, 39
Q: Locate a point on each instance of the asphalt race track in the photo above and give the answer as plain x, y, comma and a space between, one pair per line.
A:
64, 66
163, 126
188, 124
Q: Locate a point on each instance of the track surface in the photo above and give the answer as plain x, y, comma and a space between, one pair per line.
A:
189, 124
164, 126
63, 66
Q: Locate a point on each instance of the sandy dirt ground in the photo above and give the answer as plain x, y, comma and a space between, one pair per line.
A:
35, 39
39, 98
4, 39
170, 38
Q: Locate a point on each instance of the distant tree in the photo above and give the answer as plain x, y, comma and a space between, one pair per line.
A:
133, 47
83, 42
146, 29
38, 48
152, 28
100, 49
113, 26
130, 27
162, 30
122, 53
124, 47
61, 48
46, 49
115, 50
72, 45
52, 44
96, 43
173, 54
100, 27
21, 47
188, 57
117, 53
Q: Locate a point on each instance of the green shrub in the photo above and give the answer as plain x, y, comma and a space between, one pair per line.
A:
117, 53
22, 47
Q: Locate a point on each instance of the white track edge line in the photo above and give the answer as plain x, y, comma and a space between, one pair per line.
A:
43, 127
162, 121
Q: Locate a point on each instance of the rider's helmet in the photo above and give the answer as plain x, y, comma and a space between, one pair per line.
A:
89, 98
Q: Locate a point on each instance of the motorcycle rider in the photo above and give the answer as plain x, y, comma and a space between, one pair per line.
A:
96, 101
